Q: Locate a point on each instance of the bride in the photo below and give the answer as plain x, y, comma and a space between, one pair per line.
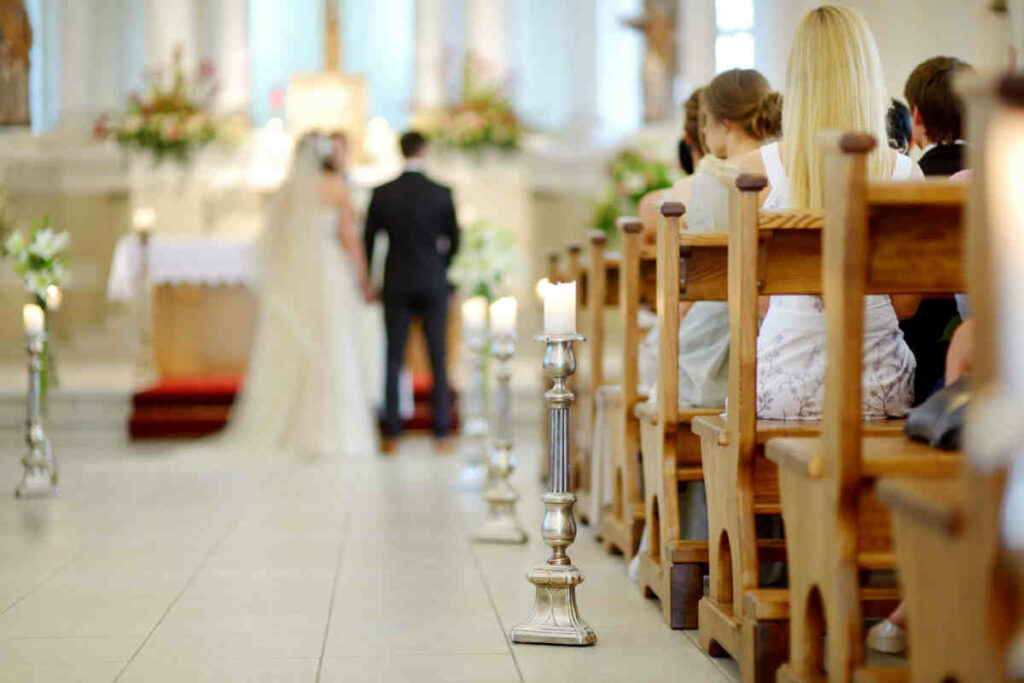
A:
304, 391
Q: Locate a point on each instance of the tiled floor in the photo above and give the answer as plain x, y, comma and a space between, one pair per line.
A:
161, 565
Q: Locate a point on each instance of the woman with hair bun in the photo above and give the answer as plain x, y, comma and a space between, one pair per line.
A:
739, 113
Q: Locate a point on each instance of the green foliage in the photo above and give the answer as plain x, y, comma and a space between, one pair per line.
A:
487, 255
631, 175
40, 259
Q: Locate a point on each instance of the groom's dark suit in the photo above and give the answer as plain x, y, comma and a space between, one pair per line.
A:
418, 216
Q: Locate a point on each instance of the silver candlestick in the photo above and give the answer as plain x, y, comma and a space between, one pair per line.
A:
501, 525
555, 619
475, 428
40, 477
145, 360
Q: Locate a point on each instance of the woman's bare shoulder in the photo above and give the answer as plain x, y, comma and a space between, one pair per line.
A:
751, 162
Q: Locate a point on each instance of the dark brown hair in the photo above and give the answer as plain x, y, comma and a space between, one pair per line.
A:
744, 97
691, 126
930, 89
411, 143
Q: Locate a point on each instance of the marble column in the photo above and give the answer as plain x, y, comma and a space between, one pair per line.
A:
226, 45
697, 31
487, 36
583, 80
430, 53
172, 25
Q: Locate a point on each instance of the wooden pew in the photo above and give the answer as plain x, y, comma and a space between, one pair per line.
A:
961, 599
597, 279
621, 524
671, 568
878, 238
767, 253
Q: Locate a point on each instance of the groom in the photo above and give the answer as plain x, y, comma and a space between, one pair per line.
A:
418, 216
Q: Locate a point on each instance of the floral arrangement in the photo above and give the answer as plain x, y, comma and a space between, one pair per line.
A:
486, 257
40, 259
482, 118
172, 117
632, 174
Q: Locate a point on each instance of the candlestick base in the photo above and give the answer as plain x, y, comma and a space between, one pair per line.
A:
556, 618
39, 479
501, 525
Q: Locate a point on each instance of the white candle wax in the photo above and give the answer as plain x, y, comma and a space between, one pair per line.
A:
503, 316
143, 218
33, 317
474, 315
54, 297
560, 308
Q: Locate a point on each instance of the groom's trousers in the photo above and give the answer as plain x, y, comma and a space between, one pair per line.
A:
399, 309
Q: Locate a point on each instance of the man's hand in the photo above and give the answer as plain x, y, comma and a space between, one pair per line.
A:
960, 356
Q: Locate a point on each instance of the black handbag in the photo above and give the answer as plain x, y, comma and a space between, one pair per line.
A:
939, 421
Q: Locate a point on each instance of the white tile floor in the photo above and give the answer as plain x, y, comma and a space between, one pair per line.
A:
156, 565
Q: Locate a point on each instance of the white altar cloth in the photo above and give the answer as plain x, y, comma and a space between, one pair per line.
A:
183, 260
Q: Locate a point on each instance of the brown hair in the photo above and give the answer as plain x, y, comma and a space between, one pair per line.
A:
691, 126
744, 97
930, 89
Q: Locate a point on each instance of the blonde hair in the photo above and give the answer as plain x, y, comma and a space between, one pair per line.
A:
833, 82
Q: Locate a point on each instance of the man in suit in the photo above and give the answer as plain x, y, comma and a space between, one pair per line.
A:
936, 118
418, 216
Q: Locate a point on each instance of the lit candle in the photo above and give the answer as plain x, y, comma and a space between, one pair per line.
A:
560, 308
503, 317
474, 315
53, 298
143, 218
541, 287
33, 316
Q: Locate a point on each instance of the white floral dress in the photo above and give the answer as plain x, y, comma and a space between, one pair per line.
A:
791, 343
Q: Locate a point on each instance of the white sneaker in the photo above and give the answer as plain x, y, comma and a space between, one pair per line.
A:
887, 637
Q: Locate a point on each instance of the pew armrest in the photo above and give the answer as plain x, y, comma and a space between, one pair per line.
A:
932, 502
881, 456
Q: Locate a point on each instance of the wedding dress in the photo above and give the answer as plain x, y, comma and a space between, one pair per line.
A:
305, 391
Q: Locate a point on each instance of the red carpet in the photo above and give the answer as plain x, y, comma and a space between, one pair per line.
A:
191, 407
183, 407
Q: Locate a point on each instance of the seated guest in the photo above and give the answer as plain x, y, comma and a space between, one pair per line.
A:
833, 82
901, 134
936, 116
691, 145
740, 113
890, 634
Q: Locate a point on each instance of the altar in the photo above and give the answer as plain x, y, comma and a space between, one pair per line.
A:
203, 300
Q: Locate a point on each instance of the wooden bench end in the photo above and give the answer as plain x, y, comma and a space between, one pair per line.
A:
751, 182
672, 209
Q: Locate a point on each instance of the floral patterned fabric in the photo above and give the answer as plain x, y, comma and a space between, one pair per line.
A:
791, 344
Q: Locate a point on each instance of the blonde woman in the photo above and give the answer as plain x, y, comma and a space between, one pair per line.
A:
833, 82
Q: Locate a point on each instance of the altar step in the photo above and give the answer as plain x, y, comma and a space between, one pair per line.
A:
183, 407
